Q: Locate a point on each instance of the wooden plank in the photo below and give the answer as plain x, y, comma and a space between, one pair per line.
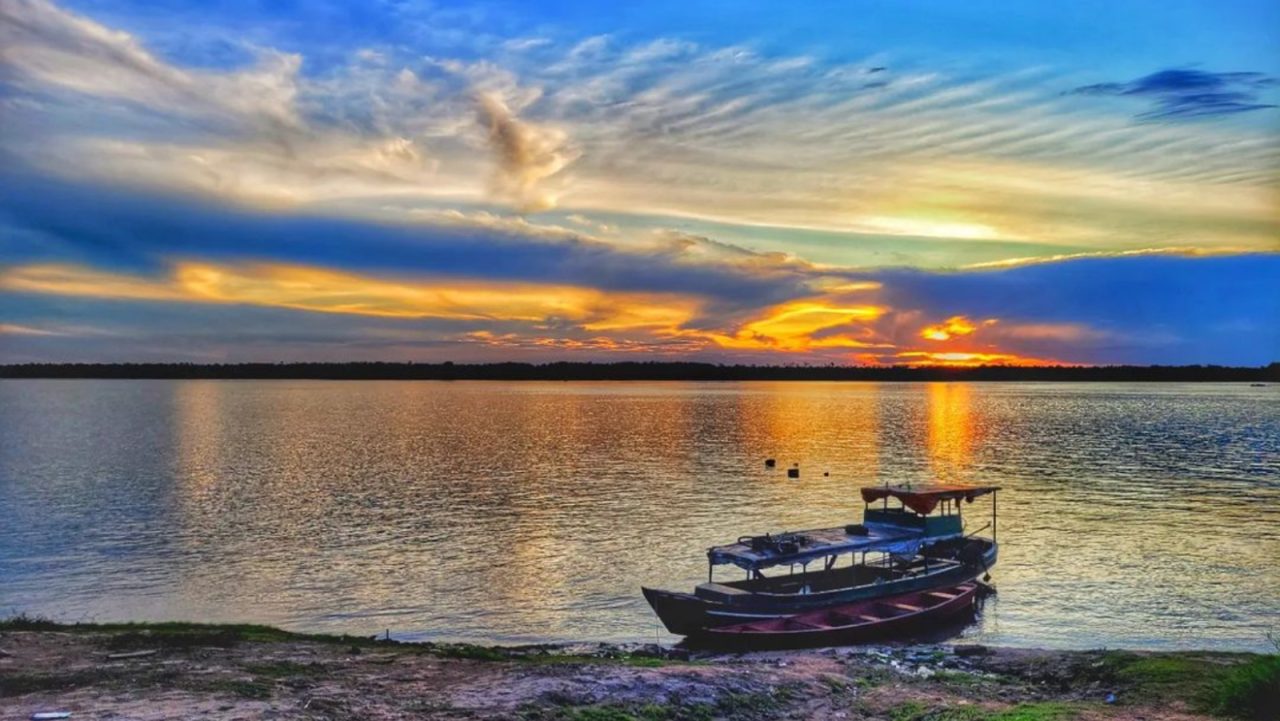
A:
907, 607
870, 619
944, 596
795, 622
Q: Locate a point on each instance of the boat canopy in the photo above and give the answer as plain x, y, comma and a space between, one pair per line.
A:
924, 498
805, 546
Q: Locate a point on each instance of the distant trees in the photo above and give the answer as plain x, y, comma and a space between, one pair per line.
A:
630, 370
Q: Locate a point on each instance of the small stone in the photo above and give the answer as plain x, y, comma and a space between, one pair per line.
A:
971, 649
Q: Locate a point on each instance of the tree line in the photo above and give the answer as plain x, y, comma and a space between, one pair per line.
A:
629, 370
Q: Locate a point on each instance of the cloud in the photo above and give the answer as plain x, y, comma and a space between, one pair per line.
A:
655, 127
91, 225
1186, 252
327, 291
528, 155
19, 329
1180, 93
953, 327
47, 46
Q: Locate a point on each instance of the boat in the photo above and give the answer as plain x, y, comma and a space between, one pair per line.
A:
851, 623
911, 539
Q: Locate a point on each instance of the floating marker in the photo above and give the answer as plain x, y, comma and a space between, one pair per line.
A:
793, 473
770, 462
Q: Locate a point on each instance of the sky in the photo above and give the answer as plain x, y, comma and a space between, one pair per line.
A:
856, 182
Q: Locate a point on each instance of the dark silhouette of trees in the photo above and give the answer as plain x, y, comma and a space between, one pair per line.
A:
628, 370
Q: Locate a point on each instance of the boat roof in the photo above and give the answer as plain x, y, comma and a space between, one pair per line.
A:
818, 543
923, 498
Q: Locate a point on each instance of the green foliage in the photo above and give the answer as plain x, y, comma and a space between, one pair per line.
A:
915, 711
1249, 690
1240, 685
173, 639
23, 622
957, 678
470, 651
1038, 712
733, 706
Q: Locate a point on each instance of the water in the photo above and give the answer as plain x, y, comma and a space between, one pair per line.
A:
1141, 515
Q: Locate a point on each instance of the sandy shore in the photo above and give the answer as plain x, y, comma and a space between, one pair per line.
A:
188, 671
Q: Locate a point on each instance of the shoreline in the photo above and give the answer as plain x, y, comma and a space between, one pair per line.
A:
185, 670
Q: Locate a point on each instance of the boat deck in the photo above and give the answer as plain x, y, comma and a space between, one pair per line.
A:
821, 543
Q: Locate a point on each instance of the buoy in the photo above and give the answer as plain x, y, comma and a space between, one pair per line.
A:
793, 473
826, 473
770, 462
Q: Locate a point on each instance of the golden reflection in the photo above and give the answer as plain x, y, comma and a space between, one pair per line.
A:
198, 436
950, 429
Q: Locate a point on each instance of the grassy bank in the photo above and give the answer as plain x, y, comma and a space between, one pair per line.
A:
248, 671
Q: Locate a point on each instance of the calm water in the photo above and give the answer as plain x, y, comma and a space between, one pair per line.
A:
1133, 515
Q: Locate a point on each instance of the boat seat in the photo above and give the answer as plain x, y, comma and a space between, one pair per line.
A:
907, 607
870, 619
719, 592
944, 596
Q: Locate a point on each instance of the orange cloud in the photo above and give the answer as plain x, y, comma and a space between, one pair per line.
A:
802, 326
326, 291
952, 327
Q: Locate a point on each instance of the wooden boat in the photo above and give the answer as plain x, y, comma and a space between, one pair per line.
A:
852, 623
916, 544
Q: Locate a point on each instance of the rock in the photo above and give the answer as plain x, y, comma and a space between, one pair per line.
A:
5, 654
971, 649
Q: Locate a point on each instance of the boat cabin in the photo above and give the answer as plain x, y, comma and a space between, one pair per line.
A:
934, 510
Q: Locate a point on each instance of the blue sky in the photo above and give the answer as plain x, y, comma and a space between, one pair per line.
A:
853, 182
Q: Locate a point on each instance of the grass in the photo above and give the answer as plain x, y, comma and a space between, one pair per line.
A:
1047, 711
23, 622
958, 678
1250, 690
1242, 686
244, 688
756, 706
182, 635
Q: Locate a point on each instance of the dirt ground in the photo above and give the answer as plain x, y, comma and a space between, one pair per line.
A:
142, 674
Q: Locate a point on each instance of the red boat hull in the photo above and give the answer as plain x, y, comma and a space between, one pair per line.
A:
895, 616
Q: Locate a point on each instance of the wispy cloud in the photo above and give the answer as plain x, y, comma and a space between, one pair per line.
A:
528, 155
1180, 93
657, 127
